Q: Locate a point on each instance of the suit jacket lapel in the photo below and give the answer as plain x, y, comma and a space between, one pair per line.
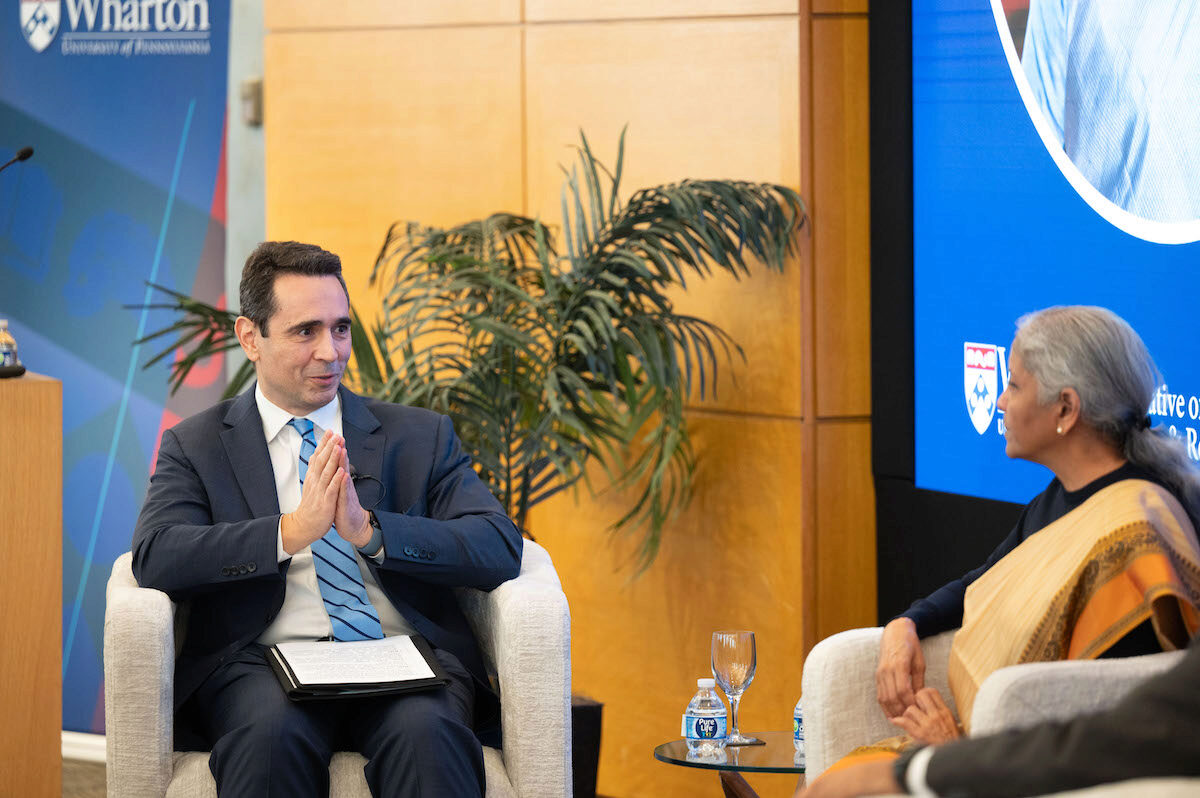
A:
247, 452
365, 438
366, 441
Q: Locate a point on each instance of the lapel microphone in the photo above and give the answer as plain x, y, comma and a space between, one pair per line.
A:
356, 477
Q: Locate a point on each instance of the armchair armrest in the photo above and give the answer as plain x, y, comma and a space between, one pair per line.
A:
838, 693
139, 674
524, 630
1023, 695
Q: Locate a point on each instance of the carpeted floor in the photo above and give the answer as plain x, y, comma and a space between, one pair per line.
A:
82, 779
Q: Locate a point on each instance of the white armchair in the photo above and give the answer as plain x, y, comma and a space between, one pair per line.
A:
524, 631
838, 694
841, 713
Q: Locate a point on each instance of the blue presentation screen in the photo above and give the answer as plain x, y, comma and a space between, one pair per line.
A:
1056, 160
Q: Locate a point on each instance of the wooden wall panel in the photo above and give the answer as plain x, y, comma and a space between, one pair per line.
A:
689, 114
845, 556
841, 208
473, 113
365, 128
731, 561
322, 14
558, 10
840, 6
31, 591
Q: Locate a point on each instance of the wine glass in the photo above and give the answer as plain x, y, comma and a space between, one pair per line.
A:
733, 664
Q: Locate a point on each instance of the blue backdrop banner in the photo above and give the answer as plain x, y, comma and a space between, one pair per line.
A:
1022, 201
124, 104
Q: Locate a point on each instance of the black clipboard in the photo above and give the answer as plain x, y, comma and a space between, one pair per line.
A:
298, 691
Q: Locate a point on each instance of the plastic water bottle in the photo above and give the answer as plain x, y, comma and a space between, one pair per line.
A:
798, 732
8, 346
704, 720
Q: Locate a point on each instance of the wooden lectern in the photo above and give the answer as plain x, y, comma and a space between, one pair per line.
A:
31, 585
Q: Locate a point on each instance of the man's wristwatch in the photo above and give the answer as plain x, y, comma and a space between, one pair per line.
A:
373, 545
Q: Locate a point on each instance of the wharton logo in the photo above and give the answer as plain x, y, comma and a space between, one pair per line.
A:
140, 16
39, 22
119, 27
985, 375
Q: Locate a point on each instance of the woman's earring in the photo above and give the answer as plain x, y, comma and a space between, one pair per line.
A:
1059, 430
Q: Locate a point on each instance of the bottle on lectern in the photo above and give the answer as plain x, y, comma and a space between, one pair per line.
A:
8, 346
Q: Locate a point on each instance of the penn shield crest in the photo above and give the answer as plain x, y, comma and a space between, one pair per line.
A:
39, 22
981, 383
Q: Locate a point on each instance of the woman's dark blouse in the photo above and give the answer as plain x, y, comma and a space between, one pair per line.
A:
942, 610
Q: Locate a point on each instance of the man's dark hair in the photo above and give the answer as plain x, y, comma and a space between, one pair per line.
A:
273, 258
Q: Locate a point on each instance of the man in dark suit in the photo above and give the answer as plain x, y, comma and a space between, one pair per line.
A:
1154, 731
252, 502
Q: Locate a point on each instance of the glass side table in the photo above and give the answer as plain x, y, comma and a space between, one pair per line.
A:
778, 755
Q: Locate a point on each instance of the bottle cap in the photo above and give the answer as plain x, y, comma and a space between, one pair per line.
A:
710, 682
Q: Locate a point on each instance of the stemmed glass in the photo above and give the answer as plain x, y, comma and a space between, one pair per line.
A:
733, 664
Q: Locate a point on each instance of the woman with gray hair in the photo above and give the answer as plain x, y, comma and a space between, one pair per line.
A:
1104, 562
1095, 352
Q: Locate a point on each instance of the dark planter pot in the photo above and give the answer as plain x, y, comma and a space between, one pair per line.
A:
585, 744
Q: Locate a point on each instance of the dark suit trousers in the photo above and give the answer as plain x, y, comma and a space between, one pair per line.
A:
263, 744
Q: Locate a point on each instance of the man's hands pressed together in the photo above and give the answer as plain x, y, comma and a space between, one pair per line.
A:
318, 498
327, 499
352, 521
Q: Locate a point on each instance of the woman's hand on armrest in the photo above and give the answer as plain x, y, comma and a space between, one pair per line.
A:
901, 670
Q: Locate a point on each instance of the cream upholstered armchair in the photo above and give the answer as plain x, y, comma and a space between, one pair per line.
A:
841, 713
523, 628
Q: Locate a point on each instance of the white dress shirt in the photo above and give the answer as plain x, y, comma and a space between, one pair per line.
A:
303, 615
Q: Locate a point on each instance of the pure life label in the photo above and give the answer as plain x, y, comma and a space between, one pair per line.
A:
697, 727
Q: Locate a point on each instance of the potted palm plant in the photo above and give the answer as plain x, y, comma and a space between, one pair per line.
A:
551, 352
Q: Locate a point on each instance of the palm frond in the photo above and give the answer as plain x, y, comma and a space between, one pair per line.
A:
549, 360
203, 330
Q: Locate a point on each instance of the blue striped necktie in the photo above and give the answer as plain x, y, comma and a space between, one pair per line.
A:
351, 612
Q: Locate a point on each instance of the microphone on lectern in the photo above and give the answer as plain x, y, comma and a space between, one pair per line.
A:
23, 154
